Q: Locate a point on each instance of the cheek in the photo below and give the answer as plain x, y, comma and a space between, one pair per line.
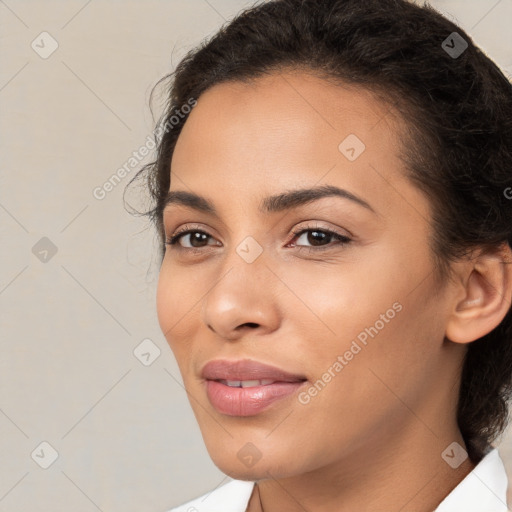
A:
375, 312
165, 301
333, 302
389, 361
177, 298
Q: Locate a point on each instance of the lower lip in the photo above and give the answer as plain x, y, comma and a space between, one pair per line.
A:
247, 401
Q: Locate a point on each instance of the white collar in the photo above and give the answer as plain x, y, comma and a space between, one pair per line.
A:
482, 490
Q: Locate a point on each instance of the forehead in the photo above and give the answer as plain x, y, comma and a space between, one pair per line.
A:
287, 130
295, 106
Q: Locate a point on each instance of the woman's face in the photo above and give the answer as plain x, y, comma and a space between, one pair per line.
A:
362, 321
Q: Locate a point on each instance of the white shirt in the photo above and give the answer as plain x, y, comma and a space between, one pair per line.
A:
484, 489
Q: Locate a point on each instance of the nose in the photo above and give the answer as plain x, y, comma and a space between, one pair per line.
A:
242, 300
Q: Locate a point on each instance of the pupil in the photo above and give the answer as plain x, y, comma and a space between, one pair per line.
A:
197, 237
316, 236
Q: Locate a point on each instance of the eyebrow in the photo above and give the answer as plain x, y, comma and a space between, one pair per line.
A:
276, 203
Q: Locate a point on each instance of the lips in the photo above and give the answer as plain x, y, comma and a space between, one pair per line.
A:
246, 387
246, 370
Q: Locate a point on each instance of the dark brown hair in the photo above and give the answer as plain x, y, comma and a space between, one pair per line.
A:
457, 147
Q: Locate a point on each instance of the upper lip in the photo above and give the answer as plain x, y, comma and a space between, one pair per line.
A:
246, 369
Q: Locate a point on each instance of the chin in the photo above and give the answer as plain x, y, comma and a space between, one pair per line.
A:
238, 474
250, 474
235, 467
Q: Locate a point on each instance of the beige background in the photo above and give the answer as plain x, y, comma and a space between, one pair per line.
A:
124, 432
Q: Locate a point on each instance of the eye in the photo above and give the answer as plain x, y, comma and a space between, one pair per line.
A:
196, 238
318, 238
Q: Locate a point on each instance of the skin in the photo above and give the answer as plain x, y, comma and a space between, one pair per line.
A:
372, 439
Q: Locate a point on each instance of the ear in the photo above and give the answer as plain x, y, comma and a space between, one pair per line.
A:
486, 291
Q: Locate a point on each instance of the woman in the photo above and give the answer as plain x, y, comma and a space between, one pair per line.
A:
333, 194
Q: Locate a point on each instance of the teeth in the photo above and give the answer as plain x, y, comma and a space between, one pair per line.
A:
247, 383
250, 383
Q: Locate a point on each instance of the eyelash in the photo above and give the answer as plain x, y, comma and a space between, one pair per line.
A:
342, 239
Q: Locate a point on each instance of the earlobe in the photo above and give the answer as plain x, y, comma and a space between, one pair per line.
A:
487, 295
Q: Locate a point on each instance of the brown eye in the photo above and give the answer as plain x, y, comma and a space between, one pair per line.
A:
320, 238
316, 238
197, 239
